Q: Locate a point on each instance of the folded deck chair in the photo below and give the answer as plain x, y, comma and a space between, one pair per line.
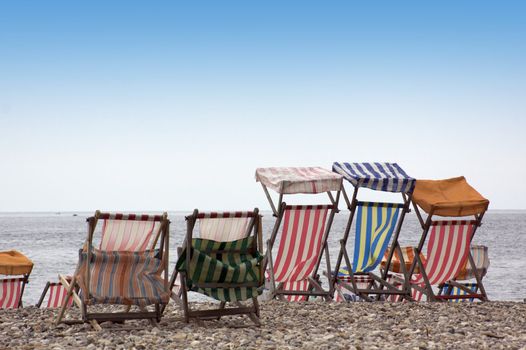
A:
304, 230
17, 267
448, 241
377, 227
130, 267
56, 294
461, 284
223, 262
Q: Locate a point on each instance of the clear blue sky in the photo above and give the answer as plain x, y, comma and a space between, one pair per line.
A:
170, 105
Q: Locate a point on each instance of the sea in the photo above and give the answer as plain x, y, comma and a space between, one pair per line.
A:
52, 242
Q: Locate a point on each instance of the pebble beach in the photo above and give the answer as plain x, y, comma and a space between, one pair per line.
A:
312, 325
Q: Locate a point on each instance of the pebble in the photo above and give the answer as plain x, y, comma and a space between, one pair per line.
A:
320, 325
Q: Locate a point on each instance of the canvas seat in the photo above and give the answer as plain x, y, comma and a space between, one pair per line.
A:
56, 295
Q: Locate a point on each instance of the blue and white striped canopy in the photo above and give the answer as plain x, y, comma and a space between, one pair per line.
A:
387, 177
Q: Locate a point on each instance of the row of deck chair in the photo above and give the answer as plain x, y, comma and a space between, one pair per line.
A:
124, 260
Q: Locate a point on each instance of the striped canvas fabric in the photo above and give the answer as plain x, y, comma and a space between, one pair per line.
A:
128, 235
387, 177
57, 295
302, 286
299, 180
408, 255
481, 258
457, 291
224, 227
231, 263
10, 292
301, 242
375, 223
127, 278
447, 250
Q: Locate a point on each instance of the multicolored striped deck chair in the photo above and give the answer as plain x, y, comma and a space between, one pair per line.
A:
460, 285
129, 268
18, 267
377, 227
448, 241
304, 230
222, 262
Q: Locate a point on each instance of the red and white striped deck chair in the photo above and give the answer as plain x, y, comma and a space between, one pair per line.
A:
11, 292
299, 251
17, 268
447, 252
449, 241
305, 229
56, 294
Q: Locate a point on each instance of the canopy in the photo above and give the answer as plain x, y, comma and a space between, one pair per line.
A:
387, 177
449, 197
299, 180
13, 262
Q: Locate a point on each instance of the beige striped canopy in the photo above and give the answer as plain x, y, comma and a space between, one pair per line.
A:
299, 180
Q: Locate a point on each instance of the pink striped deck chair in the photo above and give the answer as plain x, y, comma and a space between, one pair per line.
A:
449, 241
130, 268
300, 249
17, 267
56, 294
447, 252
305, 230
11, 292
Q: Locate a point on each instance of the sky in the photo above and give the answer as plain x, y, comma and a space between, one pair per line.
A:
153, 105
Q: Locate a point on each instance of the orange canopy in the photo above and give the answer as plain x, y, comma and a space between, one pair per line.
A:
13, 262
449, 197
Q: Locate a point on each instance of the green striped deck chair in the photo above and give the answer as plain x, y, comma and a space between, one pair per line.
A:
223, 263
123, 272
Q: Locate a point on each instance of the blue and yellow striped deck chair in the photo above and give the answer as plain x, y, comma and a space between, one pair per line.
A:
377, 228
375, 224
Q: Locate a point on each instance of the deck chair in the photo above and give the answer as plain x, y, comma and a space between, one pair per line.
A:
56, 296
133, 248
304, 230
463, 283
222, 262
377, 227
448, 241
17, 267
300, 249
